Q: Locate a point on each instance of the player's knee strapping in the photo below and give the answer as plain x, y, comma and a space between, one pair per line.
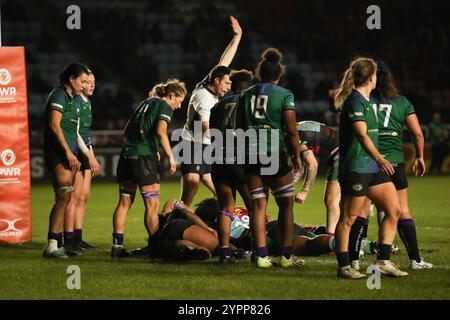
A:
284, 191
150, 194
65, 189
260, 193
178, 204
127, 193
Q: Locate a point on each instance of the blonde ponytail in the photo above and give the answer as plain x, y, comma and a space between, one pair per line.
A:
164, 89
345, 88
359, 72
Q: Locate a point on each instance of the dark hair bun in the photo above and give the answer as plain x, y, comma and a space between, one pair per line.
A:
272, 55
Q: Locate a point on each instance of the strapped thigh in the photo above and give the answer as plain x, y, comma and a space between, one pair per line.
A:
150, 194
123, 191
262, 192
284, 191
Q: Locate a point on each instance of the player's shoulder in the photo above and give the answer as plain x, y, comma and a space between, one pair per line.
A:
202, 94
58, 93
354, 99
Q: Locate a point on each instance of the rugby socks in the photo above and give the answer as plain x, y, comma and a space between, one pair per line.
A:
407, 231
78, 235
57, 237
384, 251
356, 236
68, 238
286, 252
262, 252
224, 251
117, 239
343, 259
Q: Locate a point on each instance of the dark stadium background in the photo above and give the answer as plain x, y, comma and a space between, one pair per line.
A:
131, 45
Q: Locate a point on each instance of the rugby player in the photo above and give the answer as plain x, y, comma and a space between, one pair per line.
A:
139, 162
269, 109
74, 216
60, 149
363, 172
205, 95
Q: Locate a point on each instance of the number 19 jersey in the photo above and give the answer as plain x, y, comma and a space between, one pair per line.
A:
263, 106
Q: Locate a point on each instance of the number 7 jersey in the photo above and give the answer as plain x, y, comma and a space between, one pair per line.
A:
263, 105
392, 115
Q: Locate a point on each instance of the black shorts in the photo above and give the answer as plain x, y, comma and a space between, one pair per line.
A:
142, 170
54, 155
399, 178
190, 165
284, 167
232, 174
175, 228
83, 160
355, 184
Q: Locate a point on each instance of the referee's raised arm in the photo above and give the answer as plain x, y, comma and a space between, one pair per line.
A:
230, 51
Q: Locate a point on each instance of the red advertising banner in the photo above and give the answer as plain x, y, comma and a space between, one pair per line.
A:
15, 189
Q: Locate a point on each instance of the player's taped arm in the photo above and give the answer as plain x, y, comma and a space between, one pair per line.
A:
231, 49
311, 164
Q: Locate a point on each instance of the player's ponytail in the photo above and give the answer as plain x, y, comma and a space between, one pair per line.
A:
270, 67
344, 89
359, 72
164, 89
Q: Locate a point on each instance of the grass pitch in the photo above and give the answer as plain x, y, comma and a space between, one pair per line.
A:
24, 274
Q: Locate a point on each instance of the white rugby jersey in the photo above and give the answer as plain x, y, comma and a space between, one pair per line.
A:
200, 104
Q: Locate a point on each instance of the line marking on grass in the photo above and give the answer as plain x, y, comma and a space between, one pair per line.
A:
434, 228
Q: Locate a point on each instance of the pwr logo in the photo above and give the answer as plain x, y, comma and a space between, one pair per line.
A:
7, 94
8, 157
5, 76
11, 229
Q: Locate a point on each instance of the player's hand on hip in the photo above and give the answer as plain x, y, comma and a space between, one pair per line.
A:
95, 167
385, 166
73, 162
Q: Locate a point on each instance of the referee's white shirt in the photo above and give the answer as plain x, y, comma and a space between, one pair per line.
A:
200, 104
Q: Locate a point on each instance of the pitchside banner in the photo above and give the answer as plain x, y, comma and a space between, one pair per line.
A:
15, 197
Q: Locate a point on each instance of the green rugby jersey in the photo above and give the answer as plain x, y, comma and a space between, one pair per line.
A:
353, 158
61, 101
263, 106
140, 132
85, 118
223, 114
392, 115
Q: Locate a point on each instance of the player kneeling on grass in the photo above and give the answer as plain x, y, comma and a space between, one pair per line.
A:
139, 161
